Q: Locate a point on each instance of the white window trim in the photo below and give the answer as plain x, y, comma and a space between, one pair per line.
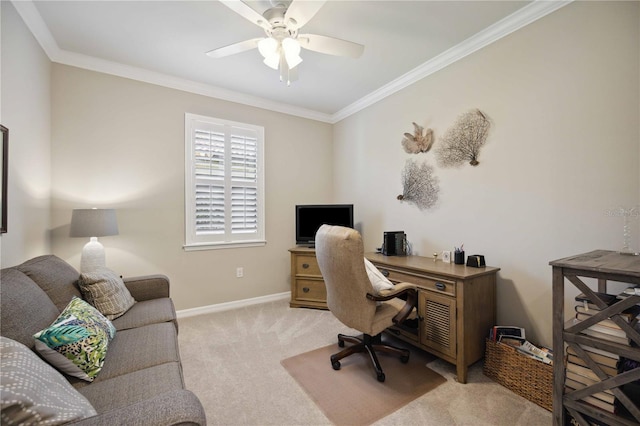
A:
193, 243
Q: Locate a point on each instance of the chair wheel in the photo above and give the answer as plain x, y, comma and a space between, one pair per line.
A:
381, 377
336, 365
404, 359
341, 343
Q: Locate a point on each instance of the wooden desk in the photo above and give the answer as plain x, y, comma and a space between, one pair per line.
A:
456, 303
456, 306
603, 265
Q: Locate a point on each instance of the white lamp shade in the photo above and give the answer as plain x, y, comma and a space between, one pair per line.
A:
93, 223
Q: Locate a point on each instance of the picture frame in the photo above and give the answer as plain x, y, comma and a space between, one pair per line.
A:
4, 151
446, 256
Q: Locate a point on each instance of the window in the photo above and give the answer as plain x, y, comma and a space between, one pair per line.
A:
224, 183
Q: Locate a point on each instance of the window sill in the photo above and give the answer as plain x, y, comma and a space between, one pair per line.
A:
229, 245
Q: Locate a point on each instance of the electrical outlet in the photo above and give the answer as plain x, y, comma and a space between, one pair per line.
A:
239, 272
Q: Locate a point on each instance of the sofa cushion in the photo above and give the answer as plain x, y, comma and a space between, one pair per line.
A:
147, 312
33, 392
55, 276
137, 349
105, 290
77, 341
131, 388
25, 307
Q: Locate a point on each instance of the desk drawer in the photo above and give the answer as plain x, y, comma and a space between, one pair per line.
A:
426, 282
307, 265
311, 290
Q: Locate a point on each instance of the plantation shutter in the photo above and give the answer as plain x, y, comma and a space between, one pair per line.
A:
209, 153
225, 181
244, 172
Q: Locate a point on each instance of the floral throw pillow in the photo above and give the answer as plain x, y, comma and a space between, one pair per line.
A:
77, 341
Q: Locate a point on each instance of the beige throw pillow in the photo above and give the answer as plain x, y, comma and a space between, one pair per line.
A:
378, 281
105, 290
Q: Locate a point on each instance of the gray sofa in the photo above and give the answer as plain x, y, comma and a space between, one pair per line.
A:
141, 382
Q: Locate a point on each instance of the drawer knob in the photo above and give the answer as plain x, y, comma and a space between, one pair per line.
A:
305, 289
440, 286
384, 272
305, 266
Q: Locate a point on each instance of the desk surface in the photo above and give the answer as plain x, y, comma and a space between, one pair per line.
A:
602, 261
422, 264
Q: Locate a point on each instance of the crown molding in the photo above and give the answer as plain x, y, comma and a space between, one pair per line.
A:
30, 15
523, 17
528, 14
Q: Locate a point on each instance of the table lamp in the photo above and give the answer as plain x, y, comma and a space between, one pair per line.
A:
93, 223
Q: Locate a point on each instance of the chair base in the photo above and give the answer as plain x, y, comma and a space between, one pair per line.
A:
369, 344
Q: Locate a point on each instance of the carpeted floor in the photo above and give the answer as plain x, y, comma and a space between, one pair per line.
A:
231, 360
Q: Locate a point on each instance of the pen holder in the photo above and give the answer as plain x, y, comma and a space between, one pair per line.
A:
458, 257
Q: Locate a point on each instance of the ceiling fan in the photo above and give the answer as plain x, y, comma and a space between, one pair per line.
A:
281, 46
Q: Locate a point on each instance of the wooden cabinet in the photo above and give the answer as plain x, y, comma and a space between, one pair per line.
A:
456, 303
307, 285
456, 306
598, 267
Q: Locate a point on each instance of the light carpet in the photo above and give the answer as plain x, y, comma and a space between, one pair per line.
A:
231, 361
353, 395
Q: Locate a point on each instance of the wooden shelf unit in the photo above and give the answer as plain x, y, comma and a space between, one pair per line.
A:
456, 303
603, 265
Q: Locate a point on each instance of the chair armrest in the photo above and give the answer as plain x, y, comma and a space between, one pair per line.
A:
180, 407
148, 287
399, 290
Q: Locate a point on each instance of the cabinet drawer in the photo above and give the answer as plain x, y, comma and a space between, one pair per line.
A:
428, 283
307, 265
311, 290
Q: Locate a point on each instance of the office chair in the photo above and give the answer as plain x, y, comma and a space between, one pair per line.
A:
352, 300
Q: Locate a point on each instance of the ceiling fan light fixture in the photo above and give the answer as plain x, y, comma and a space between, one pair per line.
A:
267, 47
291, 48
273, 61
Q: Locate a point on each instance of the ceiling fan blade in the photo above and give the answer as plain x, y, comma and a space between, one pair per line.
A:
232, 49
301, 11
247, 12
330, 45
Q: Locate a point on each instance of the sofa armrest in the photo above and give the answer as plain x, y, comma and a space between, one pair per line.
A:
148, 287
180, 407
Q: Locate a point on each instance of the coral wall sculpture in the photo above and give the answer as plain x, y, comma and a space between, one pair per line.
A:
420, 141
462, 142
420, 185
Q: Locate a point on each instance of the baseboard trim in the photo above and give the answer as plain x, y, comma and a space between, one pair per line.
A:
221, 307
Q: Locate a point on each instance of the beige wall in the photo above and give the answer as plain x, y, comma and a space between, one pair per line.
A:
26, 112
563, 96
120, 143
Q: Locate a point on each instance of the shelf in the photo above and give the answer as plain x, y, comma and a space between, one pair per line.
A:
605, 266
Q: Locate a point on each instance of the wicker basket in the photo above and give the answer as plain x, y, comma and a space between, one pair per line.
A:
525, 376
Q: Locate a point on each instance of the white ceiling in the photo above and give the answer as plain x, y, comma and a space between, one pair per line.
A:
165, 42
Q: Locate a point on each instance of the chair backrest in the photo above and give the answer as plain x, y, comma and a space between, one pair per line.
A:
340, 255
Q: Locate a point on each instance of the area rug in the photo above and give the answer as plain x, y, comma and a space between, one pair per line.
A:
353, 395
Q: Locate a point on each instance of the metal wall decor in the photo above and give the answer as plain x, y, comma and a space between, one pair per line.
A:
420, 185
462, 142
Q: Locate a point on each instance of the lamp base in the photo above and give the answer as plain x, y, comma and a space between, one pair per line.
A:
92, 256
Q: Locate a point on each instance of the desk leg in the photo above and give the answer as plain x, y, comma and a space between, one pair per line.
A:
461, 371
